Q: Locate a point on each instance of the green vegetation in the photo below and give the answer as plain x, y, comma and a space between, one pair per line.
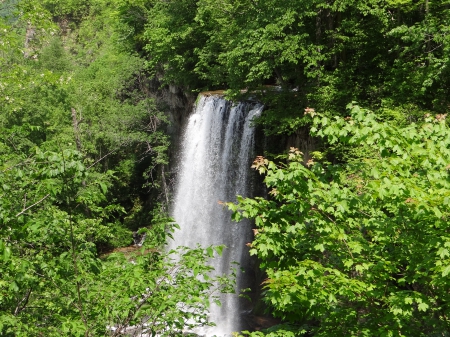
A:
359, 248
354, 242
378, 53
82, 145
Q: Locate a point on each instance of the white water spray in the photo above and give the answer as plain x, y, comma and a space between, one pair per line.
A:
217, 150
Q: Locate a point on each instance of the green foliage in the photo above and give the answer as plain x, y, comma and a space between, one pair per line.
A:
281, 330
321, 54
358, 248
53, 284
172, 36
353, 243
115, 118
54, 58
80, 138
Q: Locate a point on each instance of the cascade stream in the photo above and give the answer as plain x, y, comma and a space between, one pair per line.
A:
216, 154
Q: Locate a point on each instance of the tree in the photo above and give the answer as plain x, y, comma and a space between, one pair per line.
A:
53, 282
361, 248
323, 54
77, 125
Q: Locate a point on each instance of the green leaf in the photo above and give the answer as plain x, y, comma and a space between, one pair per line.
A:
446, 271
219, 249
210, 251
423, 306
103, 187
320, 247
6, 253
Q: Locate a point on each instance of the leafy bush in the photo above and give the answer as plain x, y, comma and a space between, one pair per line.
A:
360, 248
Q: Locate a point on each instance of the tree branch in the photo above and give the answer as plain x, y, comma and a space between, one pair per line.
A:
24, 300
37, 202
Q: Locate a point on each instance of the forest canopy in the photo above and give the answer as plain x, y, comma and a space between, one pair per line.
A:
382, 54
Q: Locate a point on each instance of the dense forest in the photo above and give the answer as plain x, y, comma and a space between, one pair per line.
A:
352, 236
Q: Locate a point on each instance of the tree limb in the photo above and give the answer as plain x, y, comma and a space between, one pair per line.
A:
37, 202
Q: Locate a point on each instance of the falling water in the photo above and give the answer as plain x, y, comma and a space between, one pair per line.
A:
214, 166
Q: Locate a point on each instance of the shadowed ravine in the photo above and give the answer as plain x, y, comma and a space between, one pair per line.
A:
216, 154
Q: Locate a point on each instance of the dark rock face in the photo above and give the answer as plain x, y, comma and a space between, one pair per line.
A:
176, 103
257, 323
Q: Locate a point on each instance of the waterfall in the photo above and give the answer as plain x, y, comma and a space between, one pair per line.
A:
216, 154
